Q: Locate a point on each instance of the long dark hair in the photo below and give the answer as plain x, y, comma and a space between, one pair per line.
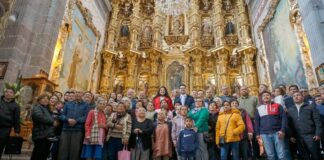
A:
158, 92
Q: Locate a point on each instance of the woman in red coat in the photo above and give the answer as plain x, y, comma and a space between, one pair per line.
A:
162, 94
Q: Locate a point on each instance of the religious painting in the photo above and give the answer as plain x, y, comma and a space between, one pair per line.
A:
175, 75
3, 69
282, 49
320, 74
78, 54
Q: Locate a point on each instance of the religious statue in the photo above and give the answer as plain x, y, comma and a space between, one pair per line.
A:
149, 8
124, 30
227, 5
177, 26
236, 87
230, 29
119, 88
127, 9
206, 28
147, 32
206, 4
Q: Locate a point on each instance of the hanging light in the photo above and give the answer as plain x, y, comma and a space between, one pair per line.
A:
173, 7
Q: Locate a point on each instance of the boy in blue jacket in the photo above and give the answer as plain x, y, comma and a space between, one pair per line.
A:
188, 141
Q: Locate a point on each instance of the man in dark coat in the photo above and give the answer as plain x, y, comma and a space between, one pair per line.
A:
9, 116
306, 128
184, 98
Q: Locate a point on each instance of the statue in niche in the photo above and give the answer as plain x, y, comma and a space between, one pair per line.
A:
124, 30
206, 5
76, 60
149, 8
127, 9
206, 28
119, 87
147, 31
227, 5
177, 26
236, 87
230, 29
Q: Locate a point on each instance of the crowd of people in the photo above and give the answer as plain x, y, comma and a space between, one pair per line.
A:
283, 124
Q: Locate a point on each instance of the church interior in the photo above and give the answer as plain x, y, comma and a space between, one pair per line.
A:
111, 46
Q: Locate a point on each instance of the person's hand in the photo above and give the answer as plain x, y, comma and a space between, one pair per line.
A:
72, 122
55, 123
281, 135
317, 138
250, 136
102, 126
119, 126
293, 140
125, 142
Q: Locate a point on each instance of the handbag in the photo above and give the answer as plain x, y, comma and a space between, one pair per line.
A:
14, 145
124, 154
222, 138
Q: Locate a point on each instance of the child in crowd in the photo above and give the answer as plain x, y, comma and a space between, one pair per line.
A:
162, 148
188, 141
150, 111
95, 128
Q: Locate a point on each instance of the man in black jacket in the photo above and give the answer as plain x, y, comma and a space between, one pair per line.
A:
9, 117
306, 128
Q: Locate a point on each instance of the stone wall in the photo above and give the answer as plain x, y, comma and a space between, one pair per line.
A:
30, 40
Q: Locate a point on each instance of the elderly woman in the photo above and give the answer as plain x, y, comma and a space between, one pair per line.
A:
140, 140
229, 127
119, 125
43, 128
95, 128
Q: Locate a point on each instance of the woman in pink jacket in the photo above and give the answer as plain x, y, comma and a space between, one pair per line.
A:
95, 129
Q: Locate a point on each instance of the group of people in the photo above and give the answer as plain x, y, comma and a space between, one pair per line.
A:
283, 124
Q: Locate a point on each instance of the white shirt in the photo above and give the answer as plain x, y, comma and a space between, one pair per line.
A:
298, 107
183, 99
280, 100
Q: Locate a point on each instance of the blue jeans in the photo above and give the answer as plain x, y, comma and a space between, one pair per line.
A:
274, 147
227, 147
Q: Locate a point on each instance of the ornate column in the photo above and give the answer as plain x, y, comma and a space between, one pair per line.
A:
113, 28
248, 69
218, 23
197, 58
154, 81
222, 60
135, 26
244, 36
131, 66
157, 29
195, 23
105, 83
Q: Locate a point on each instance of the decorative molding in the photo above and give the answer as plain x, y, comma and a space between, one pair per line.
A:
88, 18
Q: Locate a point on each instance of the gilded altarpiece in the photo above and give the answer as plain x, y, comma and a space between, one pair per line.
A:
210, 46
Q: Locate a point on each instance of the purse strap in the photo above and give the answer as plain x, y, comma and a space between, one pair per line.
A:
227, 124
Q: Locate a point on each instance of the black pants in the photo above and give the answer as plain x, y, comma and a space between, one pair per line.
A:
4, 136
41, 149
308, 148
